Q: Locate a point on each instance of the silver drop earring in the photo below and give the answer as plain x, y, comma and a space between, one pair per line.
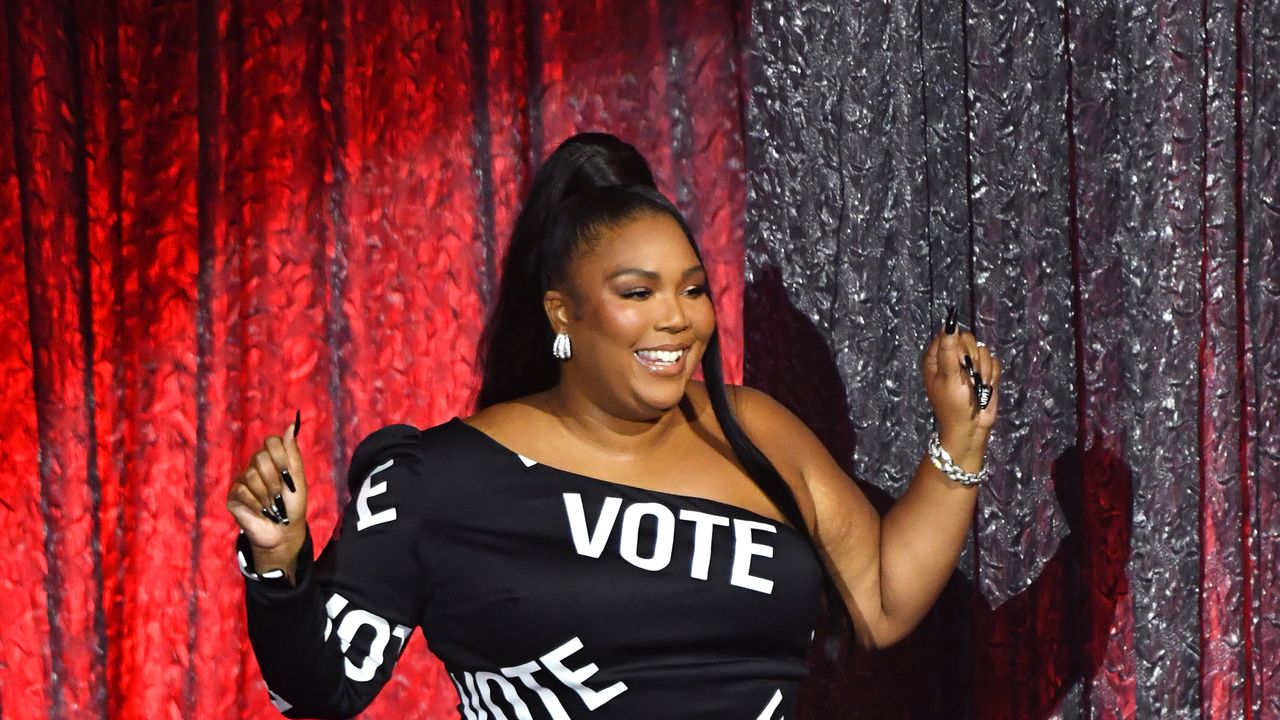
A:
562, 349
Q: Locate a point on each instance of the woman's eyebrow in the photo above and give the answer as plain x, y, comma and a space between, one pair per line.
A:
650, 274
646, 274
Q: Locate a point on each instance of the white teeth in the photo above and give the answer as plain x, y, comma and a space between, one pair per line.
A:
664, 357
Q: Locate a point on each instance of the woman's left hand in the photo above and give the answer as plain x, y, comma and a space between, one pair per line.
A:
953, 391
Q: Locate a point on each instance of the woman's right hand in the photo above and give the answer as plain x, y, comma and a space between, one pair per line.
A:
258, 493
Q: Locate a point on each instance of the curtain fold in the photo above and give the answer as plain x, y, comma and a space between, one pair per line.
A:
216, 212
1095, 183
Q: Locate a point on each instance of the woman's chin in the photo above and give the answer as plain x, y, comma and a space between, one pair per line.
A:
665, 399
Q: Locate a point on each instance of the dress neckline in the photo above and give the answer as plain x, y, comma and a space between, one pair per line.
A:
624, 487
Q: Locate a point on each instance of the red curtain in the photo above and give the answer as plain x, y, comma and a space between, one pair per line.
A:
215, 212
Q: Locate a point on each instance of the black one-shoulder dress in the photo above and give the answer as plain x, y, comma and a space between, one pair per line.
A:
547, 594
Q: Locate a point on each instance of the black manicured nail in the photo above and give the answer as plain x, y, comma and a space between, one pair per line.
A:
979, 387
984, 396
284, 474
268, 514
951, 320
280, 509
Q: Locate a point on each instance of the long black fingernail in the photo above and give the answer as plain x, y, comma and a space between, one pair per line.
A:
984, 396
280, 509
968, 365
284, 474
268, 514
951, 320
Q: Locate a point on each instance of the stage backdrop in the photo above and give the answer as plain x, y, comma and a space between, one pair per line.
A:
215, 212
1097, 184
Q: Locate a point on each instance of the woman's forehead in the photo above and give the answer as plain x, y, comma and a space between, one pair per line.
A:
652, 242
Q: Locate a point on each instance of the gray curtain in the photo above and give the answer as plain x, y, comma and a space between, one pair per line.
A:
1095, 185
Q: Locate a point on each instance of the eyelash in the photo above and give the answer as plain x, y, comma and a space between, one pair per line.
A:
642, 293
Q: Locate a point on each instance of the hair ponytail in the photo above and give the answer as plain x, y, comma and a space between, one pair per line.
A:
515, 352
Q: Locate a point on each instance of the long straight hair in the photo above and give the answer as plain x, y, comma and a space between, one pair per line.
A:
591, 183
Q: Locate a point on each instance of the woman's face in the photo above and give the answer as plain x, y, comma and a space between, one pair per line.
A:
636, 309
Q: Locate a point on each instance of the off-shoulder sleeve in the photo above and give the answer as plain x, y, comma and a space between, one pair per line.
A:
328, 644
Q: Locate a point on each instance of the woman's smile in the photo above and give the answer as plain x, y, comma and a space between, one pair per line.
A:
664, 360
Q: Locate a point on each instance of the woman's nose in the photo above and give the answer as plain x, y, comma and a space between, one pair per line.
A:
673, 317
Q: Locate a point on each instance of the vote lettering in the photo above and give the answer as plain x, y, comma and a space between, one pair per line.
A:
709, 532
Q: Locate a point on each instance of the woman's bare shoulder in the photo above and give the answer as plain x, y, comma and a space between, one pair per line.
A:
753, 408
769, 424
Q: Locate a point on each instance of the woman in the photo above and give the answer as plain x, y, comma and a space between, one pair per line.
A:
606, 537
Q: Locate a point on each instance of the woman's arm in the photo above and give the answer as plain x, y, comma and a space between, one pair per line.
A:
327, 634
889, 570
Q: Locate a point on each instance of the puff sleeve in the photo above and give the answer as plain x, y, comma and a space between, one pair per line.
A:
328, 644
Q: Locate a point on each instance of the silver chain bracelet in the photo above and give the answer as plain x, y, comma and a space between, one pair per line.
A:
942, 460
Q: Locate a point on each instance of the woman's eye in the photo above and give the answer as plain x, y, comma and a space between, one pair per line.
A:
637, 294
696, 291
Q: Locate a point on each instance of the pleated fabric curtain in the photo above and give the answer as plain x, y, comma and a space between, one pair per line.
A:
215, 212
1095, 184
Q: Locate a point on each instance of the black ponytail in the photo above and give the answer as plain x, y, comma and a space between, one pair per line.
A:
515, 354
594, 181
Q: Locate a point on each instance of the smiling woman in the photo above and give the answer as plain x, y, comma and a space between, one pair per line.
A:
606, 535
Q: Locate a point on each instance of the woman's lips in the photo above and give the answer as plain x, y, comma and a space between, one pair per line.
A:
665, 363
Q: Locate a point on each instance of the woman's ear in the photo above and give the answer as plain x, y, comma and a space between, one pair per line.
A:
555, 304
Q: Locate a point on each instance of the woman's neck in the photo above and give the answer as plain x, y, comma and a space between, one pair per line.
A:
609, 431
